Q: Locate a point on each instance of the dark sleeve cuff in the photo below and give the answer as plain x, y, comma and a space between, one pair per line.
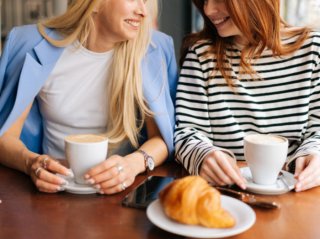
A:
292, 166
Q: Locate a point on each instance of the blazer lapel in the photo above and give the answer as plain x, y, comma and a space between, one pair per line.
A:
37, 66
153, 71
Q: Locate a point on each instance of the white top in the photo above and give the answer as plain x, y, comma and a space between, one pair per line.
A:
284, 101
73, 99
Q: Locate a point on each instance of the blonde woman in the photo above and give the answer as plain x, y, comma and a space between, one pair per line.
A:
98, 69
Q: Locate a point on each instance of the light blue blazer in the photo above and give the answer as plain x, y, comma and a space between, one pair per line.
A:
28, 59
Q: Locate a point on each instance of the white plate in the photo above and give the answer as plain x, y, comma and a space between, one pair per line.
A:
73, 187
243, 214
278, 188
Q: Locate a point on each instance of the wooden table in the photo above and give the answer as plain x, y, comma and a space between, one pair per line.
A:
27, 213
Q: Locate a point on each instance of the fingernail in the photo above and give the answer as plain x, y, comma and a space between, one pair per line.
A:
59, 189
101, 192
90, 181
97, 186
87, 176
298, 186
70, 173
63, 183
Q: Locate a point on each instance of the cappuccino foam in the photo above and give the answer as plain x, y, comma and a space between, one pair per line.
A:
85, 138
265, 139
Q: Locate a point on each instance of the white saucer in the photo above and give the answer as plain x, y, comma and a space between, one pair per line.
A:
280, 187
243, 214
73, 187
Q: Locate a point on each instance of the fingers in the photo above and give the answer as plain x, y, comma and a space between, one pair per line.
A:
217, 171
118, 187
50, 164
311, 181
300, 165
112, 176
55, 167
230, 168
46, 181
220, 169
43, 171
104, 166
210, 176
47, 186
307, 165
309, 176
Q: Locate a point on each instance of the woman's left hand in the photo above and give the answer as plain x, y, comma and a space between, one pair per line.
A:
307, 172
113, 175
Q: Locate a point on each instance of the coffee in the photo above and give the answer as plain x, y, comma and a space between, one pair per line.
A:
265, 139
85, 138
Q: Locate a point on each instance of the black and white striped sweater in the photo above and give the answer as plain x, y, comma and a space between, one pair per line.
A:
285, 100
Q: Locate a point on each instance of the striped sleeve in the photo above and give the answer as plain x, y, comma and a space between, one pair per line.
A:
192, 119
311, 142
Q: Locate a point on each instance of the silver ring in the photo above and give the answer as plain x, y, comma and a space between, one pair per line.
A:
123, 186
44, 163
37, 171
119, 168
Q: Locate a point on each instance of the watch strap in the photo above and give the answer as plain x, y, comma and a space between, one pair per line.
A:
146, 157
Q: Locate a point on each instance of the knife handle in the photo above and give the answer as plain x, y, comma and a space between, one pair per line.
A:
248, 198
263, 204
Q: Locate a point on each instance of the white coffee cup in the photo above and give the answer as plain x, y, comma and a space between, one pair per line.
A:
84, 151
265, 155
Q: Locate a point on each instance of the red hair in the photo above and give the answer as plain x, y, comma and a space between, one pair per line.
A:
259, 21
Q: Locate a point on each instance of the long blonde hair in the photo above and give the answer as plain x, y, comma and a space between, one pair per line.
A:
127, 107
259, 21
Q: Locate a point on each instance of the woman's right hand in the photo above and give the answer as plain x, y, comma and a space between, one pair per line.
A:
43, 170
221, 169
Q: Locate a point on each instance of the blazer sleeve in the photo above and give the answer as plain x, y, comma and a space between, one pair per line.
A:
7, 83
160, 81
20, 41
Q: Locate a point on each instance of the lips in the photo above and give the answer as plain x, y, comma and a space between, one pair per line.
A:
219, 21
133, 23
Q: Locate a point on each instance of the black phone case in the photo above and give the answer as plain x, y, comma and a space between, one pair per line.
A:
146, 192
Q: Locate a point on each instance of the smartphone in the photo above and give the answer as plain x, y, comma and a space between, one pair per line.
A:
146, 192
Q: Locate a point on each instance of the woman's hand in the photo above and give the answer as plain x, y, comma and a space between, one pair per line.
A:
221, 169
113, 175
307, 172
42, 171
117, 173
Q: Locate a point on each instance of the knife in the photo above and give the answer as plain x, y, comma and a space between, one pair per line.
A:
248, 198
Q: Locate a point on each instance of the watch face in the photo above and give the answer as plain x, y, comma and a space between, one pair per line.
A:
150, 163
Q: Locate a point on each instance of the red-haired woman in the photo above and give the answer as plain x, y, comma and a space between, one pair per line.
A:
248, 72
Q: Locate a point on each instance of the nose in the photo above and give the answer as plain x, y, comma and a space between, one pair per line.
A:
141, 8
210, 7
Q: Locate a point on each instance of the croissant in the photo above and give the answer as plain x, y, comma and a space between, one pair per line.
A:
191, 200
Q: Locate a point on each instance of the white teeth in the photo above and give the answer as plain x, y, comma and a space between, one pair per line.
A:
133, 23
218, 21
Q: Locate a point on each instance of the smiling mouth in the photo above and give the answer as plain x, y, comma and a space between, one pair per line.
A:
133, 23
220, 21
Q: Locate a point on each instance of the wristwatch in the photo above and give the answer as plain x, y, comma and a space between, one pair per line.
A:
148, 160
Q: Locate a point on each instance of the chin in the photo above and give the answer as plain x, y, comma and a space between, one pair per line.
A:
125, 38
131, 37
225, 34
